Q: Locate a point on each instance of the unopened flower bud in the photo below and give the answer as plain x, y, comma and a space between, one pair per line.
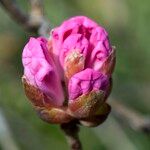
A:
89, 42
40, 71
87, 91
68, 76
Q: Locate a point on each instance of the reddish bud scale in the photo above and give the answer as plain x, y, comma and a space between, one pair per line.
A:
109, 64
98, 118
51, 114
54, 115
73, 64
86, 105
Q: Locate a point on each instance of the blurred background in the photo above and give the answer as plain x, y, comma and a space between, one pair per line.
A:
128, 24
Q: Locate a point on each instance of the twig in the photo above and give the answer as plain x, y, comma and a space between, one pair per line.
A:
33, 22
37, 19
71, 131
6, 138
15, 12
130, 117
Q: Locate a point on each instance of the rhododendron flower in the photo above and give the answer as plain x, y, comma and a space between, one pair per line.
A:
68, 76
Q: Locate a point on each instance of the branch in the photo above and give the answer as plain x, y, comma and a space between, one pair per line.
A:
15, 12
71, 131
6, 137
37, 19
33, 22
130, 117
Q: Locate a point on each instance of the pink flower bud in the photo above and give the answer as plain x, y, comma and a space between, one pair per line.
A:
40, 71
87, 92
86, 81
68, 76
89, 41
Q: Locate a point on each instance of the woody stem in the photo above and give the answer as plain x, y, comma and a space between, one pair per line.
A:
71, 131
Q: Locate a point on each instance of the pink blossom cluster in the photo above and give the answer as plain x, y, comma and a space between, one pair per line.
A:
75, 60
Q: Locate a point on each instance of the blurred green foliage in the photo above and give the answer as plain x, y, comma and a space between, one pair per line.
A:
128, 23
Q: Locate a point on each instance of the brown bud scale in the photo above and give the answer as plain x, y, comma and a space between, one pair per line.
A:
86, 105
